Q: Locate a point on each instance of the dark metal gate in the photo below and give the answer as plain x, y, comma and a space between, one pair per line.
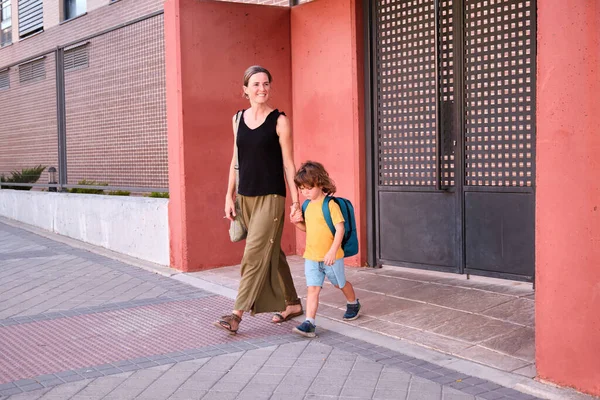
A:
453, 119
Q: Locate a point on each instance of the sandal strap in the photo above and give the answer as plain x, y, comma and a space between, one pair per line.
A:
225, 324
229, 317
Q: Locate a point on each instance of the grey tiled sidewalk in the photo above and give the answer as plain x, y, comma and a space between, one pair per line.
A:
42, 279
489, 321
39, 276
301, 370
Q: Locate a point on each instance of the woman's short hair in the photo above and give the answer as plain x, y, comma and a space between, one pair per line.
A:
255, 69
312, 174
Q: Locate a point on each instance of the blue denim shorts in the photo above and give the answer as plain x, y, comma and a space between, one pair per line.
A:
315, 272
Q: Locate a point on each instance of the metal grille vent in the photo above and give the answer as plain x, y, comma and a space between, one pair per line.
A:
4, 79
406, 92
499, 64
446, 68
77, 58
446, 50
32, 71
31, 16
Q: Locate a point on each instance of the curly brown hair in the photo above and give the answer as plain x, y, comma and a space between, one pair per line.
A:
312, 174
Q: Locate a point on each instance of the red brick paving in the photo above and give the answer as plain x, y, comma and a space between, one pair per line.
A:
37, 348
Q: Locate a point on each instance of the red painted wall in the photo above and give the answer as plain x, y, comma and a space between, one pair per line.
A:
568, 194
208, 47
328, 97
177, 227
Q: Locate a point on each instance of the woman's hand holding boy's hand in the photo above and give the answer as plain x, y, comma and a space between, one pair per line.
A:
296, 217
295, 213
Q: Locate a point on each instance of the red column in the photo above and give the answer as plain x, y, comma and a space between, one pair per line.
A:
568, 194
177, 227
209, 45
328, 87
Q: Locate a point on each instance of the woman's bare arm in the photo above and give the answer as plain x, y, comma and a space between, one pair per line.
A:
230, 196
284, 130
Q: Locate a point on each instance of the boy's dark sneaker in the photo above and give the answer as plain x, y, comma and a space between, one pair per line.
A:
305, 329
352, 311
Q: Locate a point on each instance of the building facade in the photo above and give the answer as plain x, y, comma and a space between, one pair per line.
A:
463, 131
470, 147
94, 73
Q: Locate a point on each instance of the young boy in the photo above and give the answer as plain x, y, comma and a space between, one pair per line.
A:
323, 254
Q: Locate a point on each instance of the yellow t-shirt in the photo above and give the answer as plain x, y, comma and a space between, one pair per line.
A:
318, 235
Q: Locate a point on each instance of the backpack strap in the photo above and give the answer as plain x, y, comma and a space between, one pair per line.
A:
327, 213
304, 205
347, 215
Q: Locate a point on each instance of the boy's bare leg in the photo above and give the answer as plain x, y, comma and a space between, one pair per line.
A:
312, 301
348, 291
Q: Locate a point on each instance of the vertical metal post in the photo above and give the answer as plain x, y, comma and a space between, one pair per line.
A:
458, 7
369, 23
438, 127
61, 117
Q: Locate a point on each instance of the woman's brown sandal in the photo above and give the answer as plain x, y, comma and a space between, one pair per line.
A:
281, 318
225, 323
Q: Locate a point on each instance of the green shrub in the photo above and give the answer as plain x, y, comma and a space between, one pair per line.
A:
119, 193
27, 175
160, 195
89, 191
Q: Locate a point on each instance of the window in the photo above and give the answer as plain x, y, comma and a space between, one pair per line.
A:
31, 17
4, 79
5, 23
74, 8
33, 70
76, 57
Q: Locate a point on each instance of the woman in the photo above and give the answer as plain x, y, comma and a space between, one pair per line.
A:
266, 162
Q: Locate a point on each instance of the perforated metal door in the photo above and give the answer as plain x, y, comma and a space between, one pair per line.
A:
454, 120
416, 218
499, 136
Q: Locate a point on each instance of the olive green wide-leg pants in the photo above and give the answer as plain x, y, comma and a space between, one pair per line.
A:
266, 284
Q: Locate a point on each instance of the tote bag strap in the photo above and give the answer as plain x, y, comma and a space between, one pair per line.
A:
238, 117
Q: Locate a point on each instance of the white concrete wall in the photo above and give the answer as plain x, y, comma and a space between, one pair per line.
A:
136, 226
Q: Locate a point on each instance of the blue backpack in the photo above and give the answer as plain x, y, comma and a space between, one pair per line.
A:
350, 240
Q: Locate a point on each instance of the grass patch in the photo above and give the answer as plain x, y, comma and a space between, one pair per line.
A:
88, 191
119, 193
159, 195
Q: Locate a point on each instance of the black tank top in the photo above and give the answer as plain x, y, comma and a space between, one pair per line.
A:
260, 159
